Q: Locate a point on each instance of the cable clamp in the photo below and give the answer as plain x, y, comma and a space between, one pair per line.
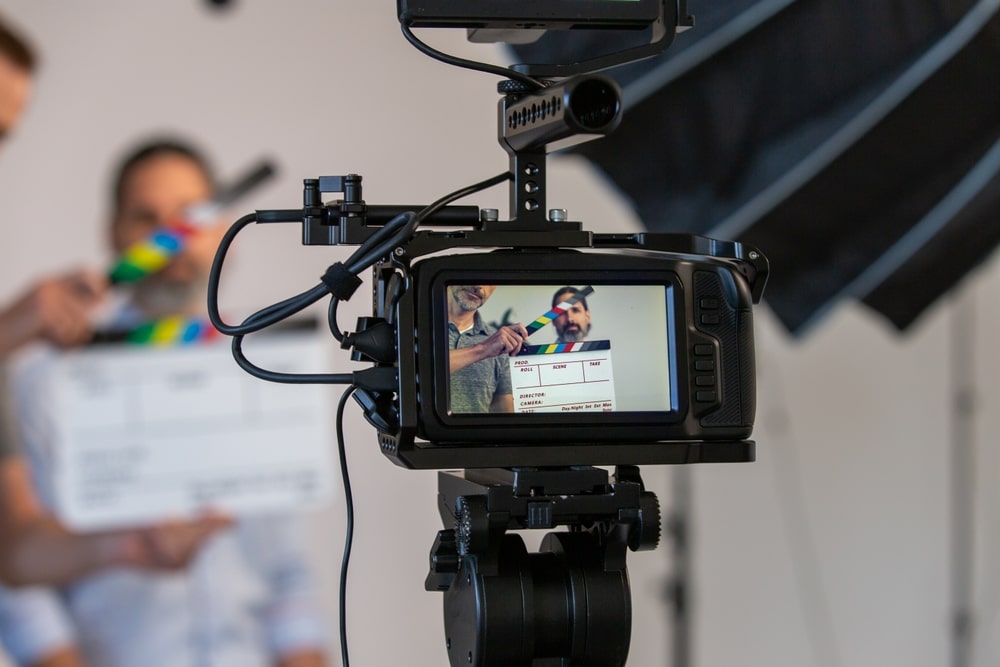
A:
340, 282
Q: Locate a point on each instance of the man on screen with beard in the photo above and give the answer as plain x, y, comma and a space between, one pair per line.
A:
479, 370
573, 325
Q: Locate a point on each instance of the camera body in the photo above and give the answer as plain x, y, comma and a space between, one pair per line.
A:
663, 373
669, 378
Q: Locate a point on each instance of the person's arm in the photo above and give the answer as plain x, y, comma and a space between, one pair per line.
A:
503, 393
55, 309
36, 629
505, 340
68, 656
302, 659
35, 548
502, 403
295, 628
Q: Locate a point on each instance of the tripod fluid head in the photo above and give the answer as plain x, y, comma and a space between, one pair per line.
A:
568, 604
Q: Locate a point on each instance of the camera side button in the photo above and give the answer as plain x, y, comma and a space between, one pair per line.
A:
704, 378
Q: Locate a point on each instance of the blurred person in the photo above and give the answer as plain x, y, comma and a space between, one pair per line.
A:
573, 325
34, 547
247, 598
480, 375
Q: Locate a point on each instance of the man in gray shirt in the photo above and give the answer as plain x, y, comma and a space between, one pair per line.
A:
480, 373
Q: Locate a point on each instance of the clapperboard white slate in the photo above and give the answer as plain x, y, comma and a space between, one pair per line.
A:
144, 434
563, 377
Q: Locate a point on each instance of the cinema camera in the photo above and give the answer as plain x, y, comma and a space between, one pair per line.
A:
671, 382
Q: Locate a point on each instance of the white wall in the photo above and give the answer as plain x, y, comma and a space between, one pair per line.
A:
832, 549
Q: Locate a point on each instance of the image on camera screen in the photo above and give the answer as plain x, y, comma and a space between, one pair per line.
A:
586, 348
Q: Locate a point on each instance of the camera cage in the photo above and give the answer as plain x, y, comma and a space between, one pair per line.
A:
571, 601
402, 339
400, 393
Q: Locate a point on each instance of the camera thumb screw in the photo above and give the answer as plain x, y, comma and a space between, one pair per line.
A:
644, 534
558, 215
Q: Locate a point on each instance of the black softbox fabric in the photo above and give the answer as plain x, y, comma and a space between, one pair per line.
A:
854, 143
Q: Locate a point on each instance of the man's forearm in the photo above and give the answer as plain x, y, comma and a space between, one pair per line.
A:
55, 309
41, 551
13, 333
306, 658
67, 656
34, 547
502, 403
465, 356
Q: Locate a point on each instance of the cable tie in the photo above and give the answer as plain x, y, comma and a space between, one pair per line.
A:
340, 281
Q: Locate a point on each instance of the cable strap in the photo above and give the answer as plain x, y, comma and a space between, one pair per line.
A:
340, 282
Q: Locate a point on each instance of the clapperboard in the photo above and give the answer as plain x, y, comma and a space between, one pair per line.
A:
146, 433
563, 377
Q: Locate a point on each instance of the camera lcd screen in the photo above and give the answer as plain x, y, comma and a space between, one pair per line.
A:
590, 348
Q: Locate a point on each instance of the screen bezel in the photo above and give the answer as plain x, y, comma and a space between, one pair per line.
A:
543, 426
542, 14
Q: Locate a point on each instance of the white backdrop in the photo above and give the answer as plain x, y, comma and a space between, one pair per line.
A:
832, 549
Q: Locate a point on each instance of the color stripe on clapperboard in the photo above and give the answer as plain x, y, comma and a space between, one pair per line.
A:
172, 331
150, 255
558, 310
559, 348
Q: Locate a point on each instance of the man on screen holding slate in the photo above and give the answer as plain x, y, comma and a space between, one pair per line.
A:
477, 358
